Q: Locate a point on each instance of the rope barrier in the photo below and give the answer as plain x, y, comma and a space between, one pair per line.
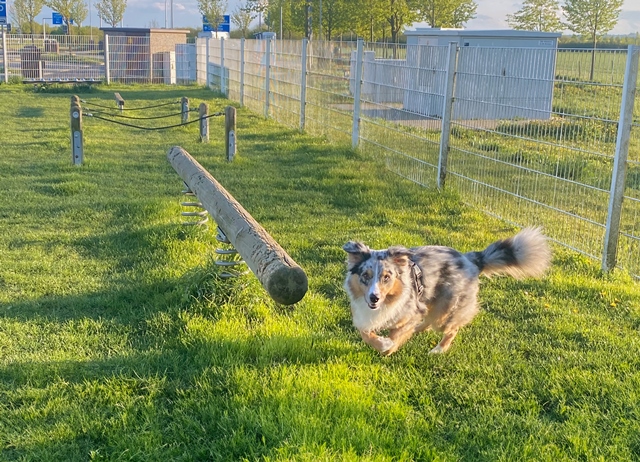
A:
138, 118
87, 114
130, 108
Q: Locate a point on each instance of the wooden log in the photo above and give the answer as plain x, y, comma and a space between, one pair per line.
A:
281, 277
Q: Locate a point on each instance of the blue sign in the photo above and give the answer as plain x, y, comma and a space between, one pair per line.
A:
3, 12
56, 18
224, 26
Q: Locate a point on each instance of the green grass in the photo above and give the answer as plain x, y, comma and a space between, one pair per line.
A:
118, 340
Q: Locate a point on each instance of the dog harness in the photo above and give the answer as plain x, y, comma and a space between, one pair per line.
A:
417, 277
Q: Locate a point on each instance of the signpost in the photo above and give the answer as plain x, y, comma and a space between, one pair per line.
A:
224, 26
3, 12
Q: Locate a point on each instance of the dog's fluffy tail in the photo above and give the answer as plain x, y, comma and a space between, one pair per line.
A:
525, 254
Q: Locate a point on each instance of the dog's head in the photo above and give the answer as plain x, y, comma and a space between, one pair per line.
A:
379, 277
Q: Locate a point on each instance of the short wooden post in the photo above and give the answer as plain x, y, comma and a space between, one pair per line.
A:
203, 111
185, 109
77, 154
281, 277
230, 132
119, 101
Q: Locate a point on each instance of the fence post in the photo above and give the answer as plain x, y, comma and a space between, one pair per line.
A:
77, 154
107, 67
612, 232
242, 71
230, 132
223, 83
5, 61
303, 83
203, 111
267, 79
447, 110
206, 63
184, 103
357, 85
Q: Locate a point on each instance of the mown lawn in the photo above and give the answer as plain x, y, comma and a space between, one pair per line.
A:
119, 342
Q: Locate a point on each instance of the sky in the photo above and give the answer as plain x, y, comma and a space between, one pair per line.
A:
491, 14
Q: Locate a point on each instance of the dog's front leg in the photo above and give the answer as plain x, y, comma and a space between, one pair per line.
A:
381, 344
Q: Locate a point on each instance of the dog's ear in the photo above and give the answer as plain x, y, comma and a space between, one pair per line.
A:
357, 251
400, 255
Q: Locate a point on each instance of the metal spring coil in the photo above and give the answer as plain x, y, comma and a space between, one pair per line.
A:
230, 261
202, 214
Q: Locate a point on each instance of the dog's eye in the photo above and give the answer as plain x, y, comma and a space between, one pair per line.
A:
386, 278
365, 278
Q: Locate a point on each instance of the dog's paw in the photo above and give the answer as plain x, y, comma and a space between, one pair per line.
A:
386, 346
437, 350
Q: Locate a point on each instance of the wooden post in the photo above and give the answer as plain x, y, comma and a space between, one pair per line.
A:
204, 122
281, 277
119, 101
77, 154
185, 109
230, 132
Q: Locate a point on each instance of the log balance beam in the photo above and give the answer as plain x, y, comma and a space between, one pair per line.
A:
281, 277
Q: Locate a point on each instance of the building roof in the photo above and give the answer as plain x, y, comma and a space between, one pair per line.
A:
143, 30
501, 33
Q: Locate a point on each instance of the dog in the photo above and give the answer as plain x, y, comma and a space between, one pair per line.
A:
407, 291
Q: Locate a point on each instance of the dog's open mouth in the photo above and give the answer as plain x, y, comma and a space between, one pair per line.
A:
374, 306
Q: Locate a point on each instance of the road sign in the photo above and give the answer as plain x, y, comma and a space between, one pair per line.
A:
3, 13
224, 26
56, 18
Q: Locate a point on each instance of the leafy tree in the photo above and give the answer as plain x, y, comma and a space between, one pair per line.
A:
242, 17
447, 13
214, 11
538, 15
111, 11
24, 12
259, 7
335, 17
592, 19
369, 18
69, 9
400, 13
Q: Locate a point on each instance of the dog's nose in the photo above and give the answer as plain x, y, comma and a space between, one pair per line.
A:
374, 298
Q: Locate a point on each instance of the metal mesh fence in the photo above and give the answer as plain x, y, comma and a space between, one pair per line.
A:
402, 97
54, 58
129, 59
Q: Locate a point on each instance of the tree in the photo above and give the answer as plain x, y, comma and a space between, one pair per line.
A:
242, 17
399, 14
369, 18
214, 11
24, 13
74, 10
259, 7
592, 19
538, 15
447, 13
111, 11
